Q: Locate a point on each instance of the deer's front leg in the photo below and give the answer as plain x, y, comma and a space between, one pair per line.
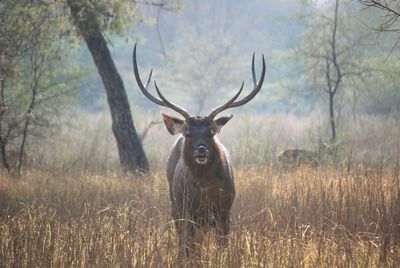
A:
223, 229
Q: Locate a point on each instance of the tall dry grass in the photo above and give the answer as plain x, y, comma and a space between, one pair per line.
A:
304, 218
72, 208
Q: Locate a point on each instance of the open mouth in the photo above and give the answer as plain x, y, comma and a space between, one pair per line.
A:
201, 159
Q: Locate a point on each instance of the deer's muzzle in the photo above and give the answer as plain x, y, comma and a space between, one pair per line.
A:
201, 154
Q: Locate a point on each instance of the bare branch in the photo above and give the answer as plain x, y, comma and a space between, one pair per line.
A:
378, 4
159, 31
156, 4
392, 9
143, 134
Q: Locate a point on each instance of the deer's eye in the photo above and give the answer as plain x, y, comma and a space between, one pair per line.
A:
188, 135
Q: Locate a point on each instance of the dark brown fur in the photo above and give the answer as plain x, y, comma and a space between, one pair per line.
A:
199, 169
201, 195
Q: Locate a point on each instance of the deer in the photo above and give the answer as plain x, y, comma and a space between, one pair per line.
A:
295, 157
199, 167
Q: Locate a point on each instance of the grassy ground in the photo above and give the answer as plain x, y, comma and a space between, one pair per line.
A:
302, 218
348, 216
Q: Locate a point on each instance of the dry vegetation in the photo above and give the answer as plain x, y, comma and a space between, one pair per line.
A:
342, 216
306, 218
87, 142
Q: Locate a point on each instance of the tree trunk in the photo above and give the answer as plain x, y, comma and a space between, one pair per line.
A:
131, 153
332, 117
332, 91
3, 140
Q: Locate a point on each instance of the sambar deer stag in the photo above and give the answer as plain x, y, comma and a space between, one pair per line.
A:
199, 169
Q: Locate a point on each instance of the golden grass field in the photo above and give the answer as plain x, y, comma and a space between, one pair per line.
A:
302, 218
70, 210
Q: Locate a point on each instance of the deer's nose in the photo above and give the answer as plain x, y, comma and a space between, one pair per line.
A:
201, 149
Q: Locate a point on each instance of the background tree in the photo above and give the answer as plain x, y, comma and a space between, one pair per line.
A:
388, 17
391, 9
91, 19
334, 56
204, 70
130, 149
32, 86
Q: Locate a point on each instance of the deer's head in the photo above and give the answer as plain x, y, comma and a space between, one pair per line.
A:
198, 131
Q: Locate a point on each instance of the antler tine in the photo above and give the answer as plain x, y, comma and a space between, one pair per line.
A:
148, 80
140, 84
163, 102
253, 70
227, 105
231, 103
257, 87
171, 105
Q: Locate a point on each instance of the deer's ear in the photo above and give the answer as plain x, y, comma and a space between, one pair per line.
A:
220, 122
173, 124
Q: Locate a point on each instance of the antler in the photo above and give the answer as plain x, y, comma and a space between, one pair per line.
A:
163, 101
219, 109
232, 103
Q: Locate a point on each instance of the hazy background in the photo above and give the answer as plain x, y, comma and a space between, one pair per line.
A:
201, 51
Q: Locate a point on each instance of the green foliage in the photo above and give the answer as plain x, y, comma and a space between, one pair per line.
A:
38, 76
114, 16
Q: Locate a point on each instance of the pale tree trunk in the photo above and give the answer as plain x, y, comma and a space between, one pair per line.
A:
131, 153
332, 117
333, 81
